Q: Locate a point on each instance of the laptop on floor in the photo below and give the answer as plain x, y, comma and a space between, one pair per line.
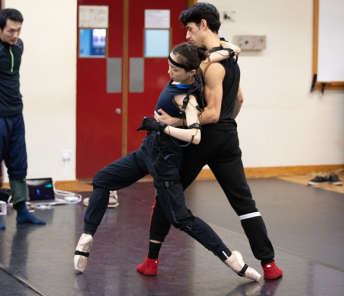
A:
41, 192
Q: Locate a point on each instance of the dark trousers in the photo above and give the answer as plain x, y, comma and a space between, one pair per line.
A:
219, 148
161, 158
12, 146
13, 152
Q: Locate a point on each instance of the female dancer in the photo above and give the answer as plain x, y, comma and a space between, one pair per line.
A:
160, 155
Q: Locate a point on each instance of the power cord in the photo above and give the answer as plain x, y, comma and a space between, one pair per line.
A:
67, 196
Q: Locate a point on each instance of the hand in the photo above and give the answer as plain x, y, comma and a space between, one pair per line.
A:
164, 117
150, 124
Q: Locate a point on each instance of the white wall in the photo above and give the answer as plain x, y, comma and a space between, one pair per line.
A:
48, 83
281, 123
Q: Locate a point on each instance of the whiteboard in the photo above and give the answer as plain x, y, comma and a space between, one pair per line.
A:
331, 41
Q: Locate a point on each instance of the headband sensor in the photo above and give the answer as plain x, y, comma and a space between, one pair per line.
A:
177, 64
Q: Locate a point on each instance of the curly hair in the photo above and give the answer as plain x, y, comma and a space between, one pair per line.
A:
199, 11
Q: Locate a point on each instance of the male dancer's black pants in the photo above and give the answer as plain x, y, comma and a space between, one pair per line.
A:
161, 158
219, 148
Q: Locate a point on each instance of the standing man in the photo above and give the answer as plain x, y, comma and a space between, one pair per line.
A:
219, 147
12, 129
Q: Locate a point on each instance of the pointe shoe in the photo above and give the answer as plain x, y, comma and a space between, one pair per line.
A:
82, 252
149, 266
271, 271
236, 262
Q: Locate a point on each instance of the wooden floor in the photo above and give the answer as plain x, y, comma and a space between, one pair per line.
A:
305, 225
308, 247
303, 179
84, 186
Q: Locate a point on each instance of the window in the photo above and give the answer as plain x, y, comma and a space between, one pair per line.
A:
92, 43
157, 43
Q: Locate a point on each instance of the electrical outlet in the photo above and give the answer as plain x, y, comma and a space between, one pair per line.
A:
66, 154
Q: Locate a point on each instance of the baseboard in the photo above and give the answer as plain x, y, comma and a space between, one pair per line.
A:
70, 185
266, 172
206, 174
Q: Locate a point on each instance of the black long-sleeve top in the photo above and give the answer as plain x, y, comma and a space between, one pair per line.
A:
10, 97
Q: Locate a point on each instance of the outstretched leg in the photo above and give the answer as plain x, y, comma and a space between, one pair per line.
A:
121, 173
172, 201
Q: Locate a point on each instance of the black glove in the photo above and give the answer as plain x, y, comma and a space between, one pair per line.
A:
150, 124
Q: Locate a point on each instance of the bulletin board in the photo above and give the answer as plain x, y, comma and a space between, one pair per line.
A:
328, 44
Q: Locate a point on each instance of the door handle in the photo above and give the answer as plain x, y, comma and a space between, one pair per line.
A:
118, 111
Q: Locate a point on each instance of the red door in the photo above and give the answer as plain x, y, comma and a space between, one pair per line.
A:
107, 122
155, 69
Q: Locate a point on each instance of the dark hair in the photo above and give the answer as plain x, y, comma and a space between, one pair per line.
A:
199, 11
191, 57
10, 14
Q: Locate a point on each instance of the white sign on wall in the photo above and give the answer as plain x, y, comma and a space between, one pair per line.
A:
331, 41
157, 18
93, 16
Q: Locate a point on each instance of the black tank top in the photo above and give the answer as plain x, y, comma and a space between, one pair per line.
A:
166, 99
230, 86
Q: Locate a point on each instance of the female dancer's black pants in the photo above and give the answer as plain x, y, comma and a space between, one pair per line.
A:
219, 148
161, 158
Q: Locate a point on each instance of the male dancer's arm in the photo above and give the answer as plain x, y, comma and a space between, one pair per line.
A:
213, 78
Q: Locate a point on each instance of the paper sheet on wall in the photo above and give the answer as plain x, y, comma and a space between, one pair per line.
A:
330, 41
157, 18
93, 16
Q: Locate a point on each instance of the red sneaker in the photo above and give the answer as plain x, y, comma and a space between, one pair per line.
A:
271, 271
149, 266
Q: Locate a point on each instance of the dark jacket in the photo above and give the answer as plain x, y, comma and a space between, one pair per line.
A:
10, 97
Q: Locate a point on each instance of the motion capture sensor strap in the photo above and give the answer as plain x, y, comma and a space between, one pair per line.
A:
195, 125
217, 48
185, 102
230, 52
82, 253
186, 145
177, 64
165, 184
242, 272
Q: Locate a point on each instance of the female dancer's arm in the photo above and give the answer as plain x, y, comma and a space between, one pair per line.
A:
191, 113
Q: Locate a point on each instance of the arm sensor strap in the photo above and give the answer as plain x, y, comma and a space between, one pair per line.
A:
231, 52
195, 125
185, 102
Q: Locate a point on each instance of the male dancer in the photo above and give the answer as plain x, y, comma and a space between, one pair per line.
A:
12, 128
219, 147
